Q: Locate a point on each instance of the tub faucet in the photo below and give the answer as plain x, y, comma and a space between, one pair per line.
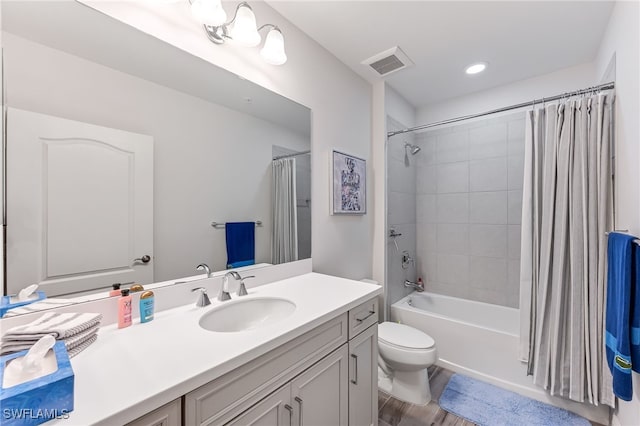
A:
205, 267
419, 287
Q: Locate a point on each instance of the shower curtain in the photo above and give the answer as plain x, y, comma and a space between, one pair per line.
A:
567, 208
284, 244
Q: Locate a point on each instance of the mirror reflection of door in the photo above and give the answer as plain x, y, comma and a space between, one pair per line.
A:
79, 204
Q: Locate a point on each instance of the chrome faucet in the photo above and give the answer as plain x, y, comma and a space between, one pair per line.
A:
205, 267
203, 299
242, 289
419, 287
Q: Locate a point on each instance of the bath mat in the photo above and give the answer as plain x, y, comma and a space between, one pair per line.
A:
485, 404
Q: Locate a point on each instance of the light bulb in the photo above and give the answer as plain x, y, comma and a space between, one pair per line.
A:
209, 12
244, 30
476, 68
273, 50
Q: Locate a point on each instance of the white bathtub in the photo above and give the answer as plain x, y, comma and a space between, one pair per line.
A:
480, 340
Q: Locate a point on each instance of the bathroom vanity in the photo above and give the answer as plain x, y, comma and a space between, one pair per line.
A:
316, 366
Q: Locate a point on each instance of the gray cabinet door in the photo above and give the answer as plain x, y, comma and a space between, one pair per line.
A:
363, 378
274, 410
320, 395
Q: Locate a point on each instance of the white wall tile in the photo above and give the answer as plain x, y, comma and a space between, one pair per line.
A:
427, 269
401, 177
453, 290
452, 147
488, 207
401, 208
426, 180
515, 172
494, 297
515, 147
453, 177
427, 154
516, 129
488, 141
452, 269
488, 175
513, 276
488, 273
453, 239
453, 208
488, 240
513, 241
426, 209
514, 207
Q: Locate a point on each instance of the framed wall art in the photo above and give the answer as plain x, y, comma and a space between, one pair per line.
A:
349, 184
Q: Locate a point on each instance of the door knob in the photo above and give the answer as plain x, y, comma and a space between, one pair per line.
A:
144, 259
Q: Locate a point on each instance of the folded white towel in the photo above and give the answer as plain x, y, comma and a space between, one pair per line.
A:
38, 306
82, 346
11, 346
59, 325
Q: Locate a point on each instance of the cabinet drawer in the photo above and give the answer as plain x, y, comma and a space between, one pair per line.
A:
224, 398
362, 317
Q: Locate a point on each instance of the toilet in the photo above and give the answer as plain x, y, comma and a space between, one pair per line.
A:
404, 355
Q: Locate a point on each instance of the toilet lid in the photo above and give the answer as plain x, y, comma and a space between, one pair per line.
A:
404, 336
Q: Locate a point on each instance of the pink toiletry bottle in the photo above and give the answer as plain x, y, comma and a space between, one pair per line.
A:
124, 309
420, 283
116, 289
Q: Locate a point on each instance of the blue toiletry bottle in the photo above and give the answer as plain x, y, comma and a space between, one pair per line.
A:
146, 306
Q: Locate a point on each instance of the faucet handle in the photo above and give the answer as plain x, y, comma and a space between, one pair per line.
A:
203, 298
242, 290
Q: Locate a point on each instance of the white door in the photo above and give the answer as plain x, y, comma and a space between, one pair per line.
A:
320, 394
79, 204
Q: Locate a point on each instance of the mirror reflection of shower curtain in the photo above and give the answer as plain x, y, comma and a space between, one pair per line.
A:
567, 208
284, 245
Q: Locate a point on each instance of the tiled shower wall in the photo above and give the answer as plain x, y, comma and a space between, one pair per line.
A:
468, 204
401, 212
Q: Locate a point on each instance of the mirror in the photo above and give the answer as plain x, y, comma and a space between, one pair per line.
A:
120, 146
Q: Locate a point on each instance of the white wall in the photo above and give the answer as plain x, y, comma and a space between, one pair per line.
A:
198, 146
339, 99
622, 44
561, 81
399, 108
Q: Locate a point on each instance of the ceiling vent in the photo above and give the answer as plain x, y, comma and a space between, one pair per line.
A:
388, 62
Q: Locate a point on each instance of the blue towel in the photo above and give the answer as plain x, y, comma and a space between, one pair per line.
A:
241, 244
635, 314
618, 320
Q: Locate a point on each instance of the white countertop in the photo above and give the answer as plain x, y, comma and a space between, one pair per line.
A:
128, 372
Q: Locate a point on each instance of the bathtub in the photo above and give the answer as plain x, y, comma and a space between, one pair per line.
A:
480, 340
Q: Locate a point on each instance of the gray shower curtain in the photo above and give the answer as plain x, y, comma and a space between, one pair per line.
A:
567, 208
284, 243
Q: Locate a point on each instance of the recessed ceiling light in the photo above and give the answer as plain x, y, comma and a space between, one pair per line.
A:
476, 68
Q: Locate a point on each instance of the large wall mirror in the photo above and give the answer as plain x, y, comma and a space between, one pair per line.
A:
120, 146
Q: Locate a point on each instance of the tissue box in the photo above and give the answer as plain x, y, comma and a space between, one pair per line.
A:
5, 303
39, 400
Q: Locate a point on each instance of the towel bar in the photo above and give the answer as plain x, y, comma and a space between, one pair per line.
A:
637, 240
220, 225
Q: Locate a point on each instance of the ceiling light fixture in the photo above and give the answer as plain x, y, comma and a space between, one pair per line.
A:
476, 68
242, 29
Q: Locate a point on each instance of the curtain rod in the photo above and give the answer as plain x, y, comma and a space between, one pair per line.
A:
295, 154
605, 86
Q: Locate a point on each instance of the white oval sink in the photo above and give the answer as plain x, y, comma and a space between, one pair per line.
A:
243, 315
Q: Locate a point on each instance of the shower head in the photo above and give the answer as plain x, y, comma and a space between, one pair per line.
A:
414, 149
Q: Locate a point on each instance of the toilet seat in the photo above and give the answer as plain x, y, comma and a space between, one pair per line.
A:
404, 337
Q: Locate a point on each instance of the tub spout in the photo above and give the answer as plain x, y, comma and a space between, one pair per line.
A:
416, 286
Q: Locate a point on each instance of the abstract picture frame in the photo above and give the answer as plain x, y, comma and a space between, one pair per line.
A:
349, 183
